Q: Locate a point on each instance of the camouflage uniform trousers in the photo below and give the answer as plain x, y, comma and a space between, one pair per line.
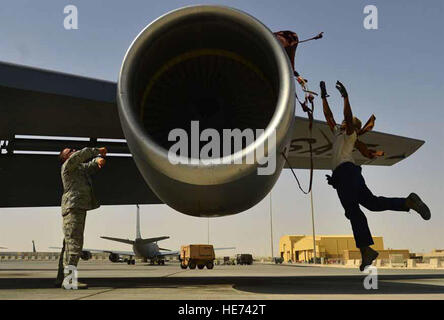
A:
73, 228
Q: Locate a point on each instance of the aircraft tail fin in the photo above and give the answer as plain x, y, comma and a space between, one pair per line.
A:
127, 241
138, 235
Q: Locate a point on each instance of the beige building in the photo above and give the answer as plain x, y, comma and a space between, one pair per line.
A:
299, 248
434, 254
389, 254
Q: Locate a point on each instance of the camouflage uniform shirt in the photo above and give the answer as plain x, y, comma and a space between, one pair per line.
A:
76, 178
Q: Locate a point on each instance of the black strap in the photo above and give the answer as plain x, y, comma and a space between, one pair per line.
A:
294, 174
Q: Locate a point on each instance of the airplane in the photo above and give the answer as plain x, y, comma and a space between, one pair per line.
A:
145, 248
214, 64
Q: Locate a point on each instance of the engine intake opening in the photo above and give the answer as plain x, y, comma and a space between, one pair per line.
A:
205, 68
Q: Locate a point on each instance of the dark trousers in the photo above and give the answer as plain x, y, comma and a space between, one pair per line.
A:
352, 191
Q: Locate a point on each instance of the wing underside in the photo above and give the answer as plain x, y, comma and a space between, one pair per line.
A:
150, 240
37, 108
169, 253
121, 253
396, 148
127, 241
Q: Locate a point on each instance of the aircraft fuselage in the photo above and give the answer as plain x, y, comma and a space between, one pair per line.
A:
146, 250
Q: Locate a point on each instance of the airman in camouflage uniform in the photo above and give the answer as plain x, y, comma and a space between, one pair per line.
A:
78, 197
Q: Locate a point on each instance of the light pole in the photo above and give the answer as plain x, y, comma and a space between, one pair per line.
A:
313, 225
208, 230
271, 227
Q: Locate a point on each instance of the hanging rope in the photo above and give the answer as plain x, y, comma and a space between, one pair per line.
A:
294, 175
290, 41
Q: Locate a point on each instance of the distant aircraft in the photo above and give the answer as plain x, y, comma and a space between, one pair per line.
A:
143, 248
214, 64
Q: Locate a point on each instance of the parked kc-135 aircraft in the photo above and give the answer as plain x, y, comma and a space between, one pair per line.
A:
143, 248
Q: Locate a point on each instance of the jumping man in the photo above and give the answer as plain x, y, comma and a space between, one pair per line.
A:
349, 182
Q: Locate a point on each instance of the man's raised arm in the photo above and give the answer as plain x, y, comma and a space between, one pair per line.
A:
348, 115
94, 165
81, 156
366, 152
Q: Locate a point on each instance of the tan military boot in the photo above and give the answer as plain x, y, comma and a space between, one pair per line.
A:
80, 285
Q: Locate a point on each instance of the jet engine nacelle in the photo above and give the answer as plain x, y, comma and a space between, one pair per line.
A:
86, 255
226, 70
114, 257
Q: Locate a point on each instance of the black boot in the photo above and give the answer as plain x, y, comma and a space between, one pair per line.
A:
341, 89
324, 93
414, 202
368, 255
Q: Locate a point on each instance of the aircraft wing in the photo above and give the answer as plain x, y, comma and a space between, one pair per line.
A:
176, 253
396, 148
127, 241
168, 253
149, 240
39, 106
122, 253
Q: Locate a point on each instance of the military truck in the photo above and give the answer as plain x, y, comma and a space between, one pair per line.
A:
227, 261
244, 258
278, 260
200, 255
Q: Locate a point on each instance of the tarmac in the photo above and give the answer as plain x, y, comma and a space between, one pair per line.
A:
35, 280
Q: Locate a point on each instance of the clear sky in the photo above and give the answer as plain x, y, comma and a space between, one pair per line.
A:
394, 72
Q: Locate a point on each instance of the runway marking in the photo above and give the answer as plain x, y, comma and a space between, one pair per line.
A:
112, 289
172, 274
94, 294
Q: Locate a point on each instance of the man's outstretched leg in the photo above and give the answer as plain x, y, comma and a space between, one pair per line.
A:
361, 231
347, 187
374, 203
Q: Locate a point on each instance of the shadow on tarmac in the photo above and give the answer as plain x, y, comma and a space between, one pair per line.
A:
387, 284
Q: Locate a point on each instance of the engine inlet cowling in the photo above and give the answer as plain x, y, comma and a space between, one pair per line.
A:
221, 69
